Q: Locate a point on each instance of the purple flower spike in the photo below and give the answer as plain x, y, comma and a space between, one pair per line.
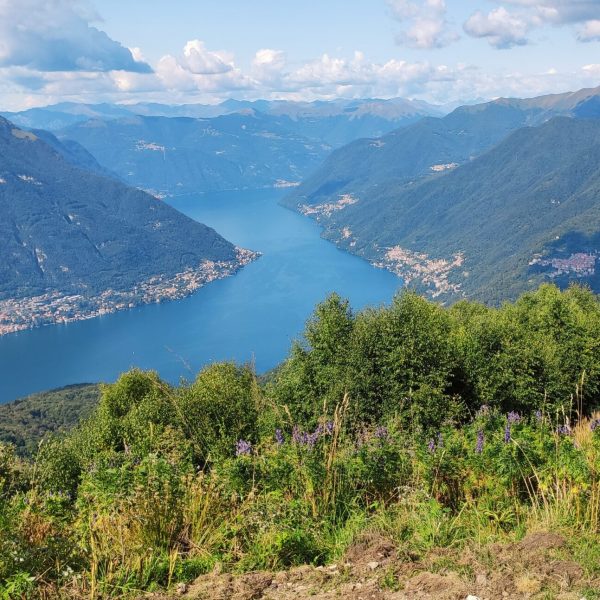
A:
595, 424
243, 448
431, 445
563, 430
311, 439
480, 441
513, 417
507, 433
329, 427
279, 437
296, 435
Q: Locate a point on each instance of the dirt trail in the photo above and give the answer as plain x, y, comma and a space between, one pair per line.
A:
372, 570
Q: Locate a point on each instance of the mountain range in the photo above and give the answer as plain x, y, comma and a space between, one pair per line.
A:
334, 122
173, 150
75, 243
485, 202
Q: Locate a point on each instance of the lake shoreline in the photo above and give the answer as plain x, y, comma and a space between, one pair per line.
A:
54, 308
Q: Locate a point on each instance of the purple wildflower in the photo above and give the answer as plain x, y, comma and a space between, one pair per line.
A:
431, 445
595, 424
243, 448
507, 433
480, 440
381, 433
329, 427
538, 416
279, 437
563, 430
296, 435
310, 439
513, 417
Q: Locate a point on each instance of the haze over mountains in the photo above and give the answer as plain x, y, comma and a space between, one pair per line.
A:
174, 150
333, 122
460, 206
181, 155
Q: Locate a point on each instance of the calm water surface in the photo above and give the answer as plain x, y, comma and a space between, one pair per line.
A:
253, 315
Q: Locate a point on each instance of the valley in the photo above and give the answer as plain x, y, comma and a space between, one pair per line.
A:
250, 317
300, 300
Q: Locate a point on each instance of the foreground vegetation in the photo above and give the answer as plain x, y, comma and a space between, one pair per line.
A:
432, 427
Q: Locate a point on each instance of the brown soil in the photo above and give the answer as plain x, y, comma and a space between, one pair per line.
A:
373, 570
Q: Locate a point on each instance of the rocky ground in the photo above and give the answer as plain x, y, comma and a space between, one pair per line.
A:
537, 567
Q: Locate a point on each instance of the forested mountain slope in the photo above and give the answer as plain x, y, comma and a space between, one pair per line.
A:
432, 145
68, 233
526, 210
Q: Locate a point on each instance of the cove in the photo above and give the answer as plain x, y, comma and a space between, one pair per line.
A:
253, 316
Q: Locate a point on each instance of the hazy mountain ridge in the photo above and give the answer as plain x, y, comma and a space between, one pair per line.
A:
172, 150
371, 116
181, 155
432, 144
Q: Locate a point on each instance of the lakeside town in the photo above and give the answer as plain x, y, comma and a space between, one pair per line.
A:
53, 307
580, 264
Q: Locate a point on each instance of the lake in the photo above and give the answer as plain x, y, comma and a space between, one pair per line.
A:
253, 316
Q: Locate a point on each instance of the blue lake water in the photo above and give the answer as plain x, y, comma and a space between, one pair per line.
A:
252, 316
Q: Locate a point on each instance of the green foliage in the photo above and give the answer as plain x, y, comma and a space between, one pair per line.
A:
219, 408
25, 423
433, 426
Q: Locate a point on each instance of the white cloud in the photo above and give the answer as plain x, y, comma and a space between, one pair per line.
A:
425, 24
592, 70
505, 29
199, 69
501, 28
590, 32
56, 35
559, 11
200, 61
268, 65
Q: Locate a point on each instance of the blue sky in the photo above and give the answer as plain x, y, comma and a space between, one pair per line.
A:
206, 51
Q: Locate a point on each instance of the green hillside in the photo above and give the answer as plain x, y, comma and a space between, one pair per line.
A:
88, 243
26, 422
532, 198
363, 166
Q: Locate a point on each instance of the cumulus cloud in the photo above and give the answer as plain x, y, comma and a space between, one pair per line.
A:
501, 28
559, 11
268, 64
200, 61
424, 21
504, 28
56, 35
590, 32
199, 69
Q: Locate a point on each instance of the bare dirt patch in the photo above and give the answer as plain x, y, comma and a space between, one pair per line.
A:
373, 569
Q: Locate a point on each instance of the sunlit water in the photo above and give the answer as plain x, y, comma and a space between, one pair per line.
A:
252, 316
